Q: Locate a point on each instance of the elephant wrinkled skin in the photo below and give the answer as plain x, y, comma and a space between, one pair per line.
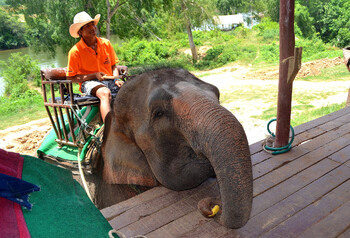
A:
167, 127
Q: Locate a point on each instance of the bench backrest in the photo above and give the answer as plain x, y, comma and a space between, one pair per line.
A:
54, 73
60, 73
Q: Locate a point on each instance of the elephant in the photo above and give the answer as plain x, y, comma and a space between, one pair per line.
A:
167, 127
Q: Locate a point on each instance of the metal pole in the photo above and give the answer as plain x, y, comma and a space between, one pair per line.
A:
285, 86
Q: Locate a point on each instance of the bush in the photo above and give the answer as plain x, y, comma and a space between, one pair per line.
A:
241, 32
248, 53
316, 49
213, 53
344, 36
271, 35
260, 44
136, 52
212, 58
266, 25
269, 53
17, 71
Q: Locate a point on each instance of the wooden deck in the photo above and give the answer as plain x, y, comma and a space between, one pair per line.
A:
302, 193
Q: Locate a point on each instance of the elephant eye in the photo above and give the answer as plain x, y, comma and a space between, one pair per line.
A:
158, 114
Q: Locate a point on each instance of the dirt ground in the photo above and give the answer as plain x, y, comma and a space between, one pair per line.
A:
26, 139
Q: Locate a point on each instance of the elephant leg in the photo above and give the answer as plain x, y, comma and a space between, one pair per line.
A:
110, 194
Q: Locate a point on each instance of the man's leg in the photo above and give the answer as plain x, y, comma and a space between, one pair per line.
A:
104, 94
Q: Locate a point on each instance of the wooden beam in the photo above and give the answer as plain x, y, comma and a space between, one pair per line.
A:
285, 86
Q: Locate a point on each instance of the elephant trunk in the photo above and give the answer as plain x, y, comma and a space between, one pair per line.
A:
221, 138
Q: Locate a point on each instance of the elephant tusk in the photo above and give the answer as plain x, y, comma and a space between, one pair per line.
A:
214, 211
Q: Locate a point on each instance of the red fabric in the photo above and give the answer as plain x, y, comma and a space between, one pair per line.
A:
12, 223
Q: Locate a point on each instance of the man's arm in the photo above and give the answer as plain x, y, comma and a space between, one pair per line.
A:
115, 70
85, 77
116, 73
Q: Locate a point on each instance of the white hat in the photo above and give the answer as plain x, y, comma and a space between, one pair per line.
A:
81, 19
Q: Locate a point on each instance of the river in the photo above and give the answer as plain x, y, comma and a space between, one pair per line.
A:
44, 60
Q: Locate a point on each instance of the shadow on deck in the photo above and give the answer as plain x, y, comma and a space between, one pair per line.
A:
302, 193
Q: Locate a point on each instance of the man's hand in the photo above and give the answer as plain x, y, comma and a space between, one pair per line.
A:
99, 76
116, 75
118, 83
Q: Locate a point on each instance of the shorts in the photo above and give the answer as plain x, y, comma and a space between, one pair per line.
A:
87, 86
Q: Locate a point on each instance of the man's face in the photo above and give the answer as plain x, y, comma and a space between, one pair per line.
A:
88, 30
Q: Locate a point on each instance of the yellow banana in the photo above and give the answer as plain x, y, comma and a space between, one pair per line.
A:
214, 210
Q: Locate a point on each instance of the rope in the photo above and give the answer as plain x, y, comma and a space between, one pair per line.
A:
278, 150
83, 177
96, 142
84, 127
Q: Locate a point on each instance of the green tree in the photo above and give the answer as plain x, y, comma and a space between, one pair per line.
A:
334, 25
11, 31
273, 9
304, 21
314, 6
331, 19
141, 19
48, 21
111, 11
229, 7
192, 14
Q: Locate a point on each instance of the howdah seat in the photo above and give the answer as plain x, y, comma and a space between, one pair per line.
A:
62, 107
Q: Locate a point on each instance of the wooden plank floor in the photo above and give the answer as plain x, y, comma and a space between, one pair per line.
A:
302, 193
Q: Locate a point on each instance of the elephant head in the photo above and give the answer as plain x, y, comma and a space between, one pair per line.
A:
168, 127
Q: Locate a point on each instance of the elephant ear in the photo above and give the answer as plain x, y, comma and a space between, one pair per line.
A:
124, 162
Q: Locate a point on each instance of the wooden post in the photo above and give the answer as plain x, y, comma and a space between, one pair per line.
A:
285, 86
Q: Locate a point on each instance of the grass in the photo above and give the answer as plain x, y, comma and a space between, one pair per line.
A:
266, 94
265, 99
339, 72
305, 104
308, 115
303, 113
20, 111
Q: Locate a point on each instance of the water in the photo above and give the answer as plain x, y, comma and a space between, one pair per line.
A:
44, 59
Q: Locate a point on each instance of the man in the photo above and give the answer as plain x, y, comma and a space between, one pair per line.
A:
92, 61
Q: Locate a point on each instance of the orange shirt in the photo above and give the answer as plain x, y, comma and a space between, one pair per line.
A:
84, 60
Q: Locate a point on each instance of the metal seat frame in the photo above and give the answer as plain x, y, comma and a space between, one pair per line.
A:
52, 78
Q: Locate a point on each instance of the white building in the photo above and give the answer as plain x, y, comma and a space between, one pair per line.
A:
228, 22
